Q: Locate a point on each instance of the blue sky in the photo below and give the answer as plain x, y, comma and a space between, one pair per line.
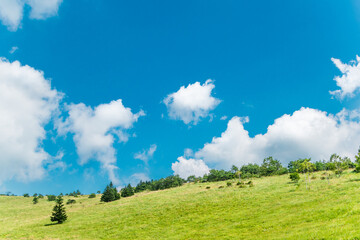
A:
265, 59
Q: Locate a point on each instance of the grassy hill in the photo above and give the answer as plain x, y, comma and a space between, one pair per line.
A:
273, 209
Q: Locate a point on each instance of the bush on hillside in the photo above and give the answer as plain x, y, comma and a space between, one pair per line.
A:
51, 197
93, 195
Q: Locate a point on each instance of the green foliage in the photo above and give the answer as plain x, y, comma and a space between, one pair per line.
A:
163, 183
271, 167
294, 166
26, 195
228, 184
191, 178
250, 170
208, 187
35, 200
110, 194
294, 176
127, 191
40, 195
71, 201
59, 214
51, 197
340, 164
93, 195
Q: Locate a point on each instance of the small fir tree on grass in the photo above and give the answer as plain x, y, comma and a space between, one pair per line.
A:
59, 214
110, 194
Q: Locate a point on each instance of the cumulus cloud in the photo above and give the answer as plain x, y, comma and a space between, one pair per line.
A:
188, 167
27, 104
191, 103
349, 82
145, 155
95, 131
306, 133
11, 11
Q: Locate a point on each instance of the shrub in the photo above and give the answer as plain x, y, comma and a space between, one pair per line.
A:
322, 178
35, 200
228, 184
208, 187
357, 169
51, 197
26, 195
93, 195
242, 186
294, 176
313, 177
249, 182
221, 186
238, 183
71, 201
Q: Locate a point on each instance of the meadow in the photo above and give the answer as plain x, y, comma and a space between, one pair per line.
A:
274, 208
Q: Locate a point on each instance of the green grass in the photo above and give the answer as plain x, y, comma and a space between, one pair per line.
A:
273, 209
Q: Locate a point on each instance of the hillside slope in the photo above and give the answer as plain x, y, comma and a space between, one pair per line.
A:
272, 209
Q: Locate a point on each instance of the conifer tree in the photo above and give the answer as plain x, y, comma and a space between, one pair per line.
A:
35, 200
59, 214
110, 194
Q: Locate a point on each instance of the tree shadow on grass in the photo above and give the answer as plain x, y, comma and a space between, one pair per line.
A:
50, 224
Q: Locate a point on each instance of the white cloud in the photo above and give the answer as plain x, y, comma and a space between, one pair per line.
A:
42, 9
27, 104
145, 155
188, 167
12, 11
191, 103
95, 130
13, 49
137, 177
349, 82
223, 118
306, 133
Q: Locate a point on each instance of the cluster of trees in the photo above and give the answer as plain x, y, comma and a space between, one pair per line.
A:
74, 193
163, 183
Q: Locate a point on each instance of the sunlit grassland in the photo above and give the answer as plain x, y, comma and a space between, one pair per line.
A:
273, 209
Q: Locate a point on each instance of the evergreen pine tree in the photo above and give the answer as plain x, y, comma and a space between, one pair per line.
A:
59, 214
35, 200
110, 194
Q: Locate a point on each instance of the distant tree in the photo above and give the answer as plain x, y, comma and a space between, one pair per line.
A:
26, 195
40, 195
78, 192
127, 191
35, 200
271, 167
294, 176
234, 169
340, 164
110, 194
35, 195
294, 166
59, 213
98, 192
307, 167
93, 195
191, 178
51, 197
